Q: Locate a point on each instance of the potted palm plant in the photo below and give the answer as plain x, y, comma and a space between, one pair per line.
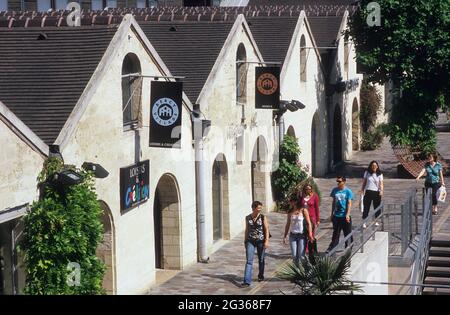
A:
322, 275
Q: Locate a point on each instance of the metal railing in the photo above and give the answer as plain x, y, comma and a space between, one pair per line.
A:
359, 236
421, 255
418, 286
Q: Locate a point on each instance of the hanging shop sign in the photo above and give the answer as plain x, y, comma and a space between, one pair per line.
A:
134, 185
267, 87
165, 114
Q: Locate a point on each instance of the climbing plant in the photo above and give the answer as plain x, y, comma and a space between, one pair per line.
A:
61, 233
290, 173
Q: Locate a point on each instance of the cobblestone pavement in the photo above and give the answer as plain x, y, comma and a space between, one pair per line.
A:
224, 273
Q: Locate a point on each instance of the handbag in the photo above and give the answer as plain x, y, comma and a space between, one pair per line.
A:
441, 194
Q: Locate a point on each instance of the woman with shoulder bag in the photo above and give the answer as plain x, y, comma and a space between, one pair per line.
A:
372, 189
434, 178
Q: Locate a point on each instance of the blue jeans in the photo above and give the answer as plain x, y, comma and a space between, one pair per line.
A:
298, 246
250, 253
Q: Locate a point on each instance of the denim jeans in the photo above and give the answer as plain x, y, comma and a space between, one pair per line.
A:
298, 246
250, 253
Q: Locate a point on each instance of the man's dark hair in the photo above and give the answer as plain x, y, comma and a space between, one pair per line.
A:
341, 177
256, 203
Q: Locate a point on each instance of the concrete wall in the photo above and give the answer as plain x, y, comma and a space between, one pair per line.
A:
372, 265
218, 103
101, 138
20, 166
311, 93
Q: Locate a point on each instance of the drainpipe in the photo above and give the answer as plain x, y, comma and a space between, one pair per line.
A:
199, 133
281, 128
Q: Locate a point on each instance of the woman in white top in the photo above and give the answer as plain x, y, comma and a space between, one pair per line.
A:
372, 189
299, 227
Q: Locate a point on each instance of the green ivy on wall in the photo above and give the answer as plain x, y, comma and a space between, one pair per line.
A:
62, 231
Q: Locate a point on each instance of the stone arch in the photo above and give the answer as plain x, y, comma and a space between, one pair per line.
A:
337, 134
315, 145
291, 131
356, 129
258, 173
106, 250
167, 223
220, 199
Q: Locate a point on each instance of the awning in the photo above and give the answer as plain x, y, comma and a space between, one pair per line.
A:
13, 213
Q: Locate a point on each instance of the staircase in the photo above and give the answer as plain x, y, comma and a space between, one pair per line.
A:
438, 266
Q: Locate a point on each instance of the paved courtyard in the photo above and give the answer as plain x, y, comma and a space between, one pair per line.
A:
224, 273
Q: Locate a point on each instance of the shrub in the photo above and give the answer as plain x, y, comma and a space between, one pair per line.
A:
63, 227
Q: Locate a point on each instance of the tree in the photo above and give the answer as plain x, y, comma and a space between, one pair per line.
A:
62, 232
323, 275
290, 172
411, 48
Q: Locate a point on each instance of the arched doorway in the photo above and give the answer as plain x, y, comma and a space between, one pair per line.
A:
337, 135
220, 214
355, 125
314, 143
106, 249
291, 132
258, 174
167, 224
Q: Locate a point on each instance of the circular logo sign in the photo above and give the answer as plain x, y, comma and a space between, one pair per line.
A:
267, 84
165, 112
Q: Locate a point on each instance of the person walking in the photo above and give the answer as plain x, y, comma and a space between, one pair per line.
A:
434, 178
299, 228
372, 189
256, 237
310, 201
341, 212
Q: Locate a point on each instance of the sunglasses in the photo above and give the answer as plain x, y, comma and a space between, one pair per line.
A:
339, 181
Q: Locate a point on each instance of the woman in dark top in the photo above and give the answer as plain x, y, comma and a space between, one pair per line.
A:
256, 236
434, 178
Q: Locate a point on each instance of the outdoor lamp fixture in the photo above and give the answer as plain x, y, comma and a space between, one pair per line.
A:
98, 170
68, 178
292, 106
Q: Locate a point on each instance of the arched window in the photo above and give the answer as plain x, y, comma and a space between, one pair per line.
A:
241, 75
303, 59
346, 55
131, 89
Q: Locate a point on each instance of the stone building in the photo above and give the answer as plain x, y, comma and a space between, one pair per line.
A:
72, 87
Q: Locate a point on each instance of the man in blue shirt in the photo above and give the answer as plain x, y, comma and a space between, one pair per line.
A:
340, 212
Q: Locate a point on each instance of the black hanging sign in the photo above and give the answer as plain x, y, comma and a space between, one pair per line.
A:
165, 114
267, 87
134, 185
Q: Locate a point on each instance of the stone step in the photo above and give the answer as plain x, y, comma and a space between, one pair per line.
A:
437, 272
439, 261
439, 251
439, 291
440, 242
437, 281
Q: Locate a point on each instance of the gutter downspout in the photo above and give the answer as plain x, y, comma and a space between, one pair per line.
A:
200, 181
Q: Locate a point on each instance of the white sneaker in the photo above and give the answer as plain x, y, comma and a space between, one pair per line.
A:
377, 224
364, 226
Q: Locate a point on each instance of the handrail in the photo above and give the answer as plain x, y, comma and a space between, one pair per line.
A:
361, 229
421, 255
438, 286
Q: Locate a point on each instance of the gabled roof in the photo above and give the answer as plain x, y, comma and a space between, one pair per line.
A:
273, 35
300, 2
189, 49
326, 30
42, 79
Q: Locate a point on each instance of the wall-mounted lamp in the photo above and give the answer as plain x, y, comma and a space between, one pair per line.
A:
98, 170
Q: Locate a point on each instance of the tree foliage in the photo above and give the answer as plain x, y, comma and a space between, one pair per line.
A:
63, 227
411, 48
